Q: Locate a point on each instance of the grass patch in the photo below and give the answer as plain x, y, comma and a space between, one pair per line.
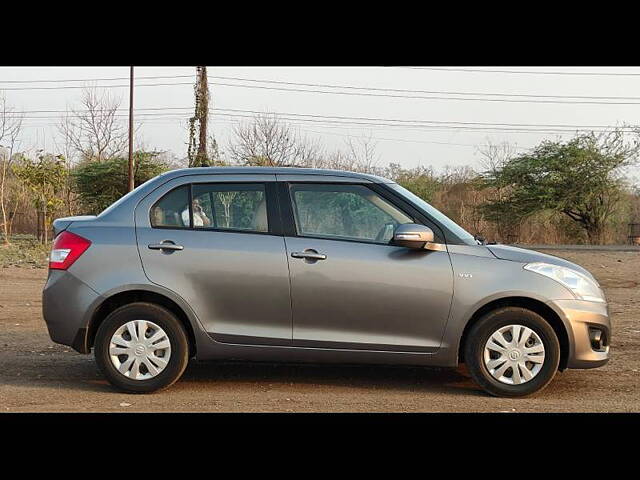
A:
24, 251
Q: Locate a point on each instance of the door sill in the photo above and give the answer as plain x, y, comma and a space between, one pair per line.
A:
249, 340
318, 345
377, 347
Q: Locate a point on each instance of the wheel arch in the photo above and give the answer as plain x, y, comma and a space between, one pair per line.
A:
125, 297
537, 306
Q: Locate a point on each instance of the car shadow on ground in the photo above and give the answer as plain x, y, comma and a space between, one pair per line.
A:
79, 372
362, 377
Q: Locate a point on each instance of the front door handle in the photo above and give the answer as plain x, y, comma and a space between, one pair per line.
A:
167, 245
309, 255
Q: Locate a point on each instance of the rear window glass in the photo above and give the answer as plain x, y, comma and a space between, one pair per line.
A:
172, 210
230, 206
220, 206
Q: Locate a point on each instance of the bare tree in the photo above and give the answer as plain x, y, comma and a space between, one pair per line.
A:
10, 125
494, 156
95, 132
266, 141
65, 147
357, 155
363, 154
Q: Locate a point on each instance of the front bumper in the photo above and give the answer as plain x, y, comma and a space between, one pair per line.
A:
579, 316
66, 303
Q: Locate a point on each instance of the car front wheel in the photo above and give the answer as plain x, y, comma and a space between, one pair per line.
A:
512, 352
141, 348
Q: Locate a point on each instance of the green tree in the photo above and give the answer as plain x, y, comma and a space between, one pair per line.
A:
45, 178
99, 184
579, 178
420, 181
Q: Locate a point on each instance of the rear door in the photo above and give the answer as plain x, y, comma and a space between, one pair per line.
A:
215, 241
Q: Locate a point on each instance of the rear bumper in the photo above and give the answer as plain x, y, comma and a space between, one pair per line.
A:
66, 303
579, 317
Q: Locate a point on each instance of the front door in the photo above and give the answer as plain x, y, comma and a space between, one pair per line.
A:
212, 241
350, 289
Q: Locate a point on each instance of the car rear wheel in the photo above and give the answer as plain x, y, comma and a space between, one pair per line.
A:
141, 348
512, 352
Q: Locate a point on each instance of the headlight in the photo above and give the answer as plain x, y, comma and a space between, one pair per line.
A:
582, 286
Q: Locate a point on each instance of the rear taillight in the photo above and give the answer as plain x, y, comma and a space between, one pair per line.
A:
66, 249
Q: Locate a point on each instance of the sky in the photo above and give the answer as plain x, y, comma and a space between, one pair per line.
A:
430, 116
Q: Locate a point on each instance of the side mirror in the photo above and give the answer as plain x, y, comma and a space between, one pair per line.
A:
415, 236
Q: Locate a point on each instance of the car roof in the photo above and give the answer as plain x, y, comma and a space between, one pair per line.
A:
273, 171
120, 210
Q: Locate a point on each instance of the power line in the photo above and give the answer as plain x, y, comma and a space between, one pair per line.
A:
423, 97
416, 126
417, 121
406, 140
526, 72
231, 122
344, 119
370, 124
73, 110
338, 86
400, 140
70, 87
69, 80
431, 95
434, 92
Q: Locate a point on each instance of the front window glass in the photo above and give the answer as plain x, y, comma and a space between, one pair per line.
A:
350, 212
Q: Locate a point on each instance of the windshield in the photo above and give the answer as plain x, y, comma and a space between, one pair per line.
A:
436, 215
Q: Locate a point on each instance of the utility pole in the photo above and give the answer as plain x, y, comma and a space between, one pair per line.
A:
131, 185
197, 151
204, 114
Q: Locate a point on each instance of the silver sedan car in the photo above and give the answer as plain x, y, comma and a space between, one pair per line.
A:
304, 265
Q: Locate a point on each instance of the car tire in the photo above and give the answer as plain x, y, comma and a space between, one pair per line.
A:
142, 334
491, 340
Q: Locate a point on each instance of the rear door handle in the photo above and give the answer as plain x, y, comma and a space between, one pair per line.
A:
309, 255
165, 246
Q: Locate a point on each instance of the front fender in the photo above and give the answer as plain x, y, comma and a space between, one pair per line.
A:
482, 280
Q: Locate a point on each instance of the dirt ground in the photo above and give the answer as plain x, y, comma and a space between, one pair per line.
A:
37, 375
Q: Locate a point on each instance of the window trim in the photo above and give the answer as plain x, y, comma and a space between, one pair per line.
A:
291, 229
274, 221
